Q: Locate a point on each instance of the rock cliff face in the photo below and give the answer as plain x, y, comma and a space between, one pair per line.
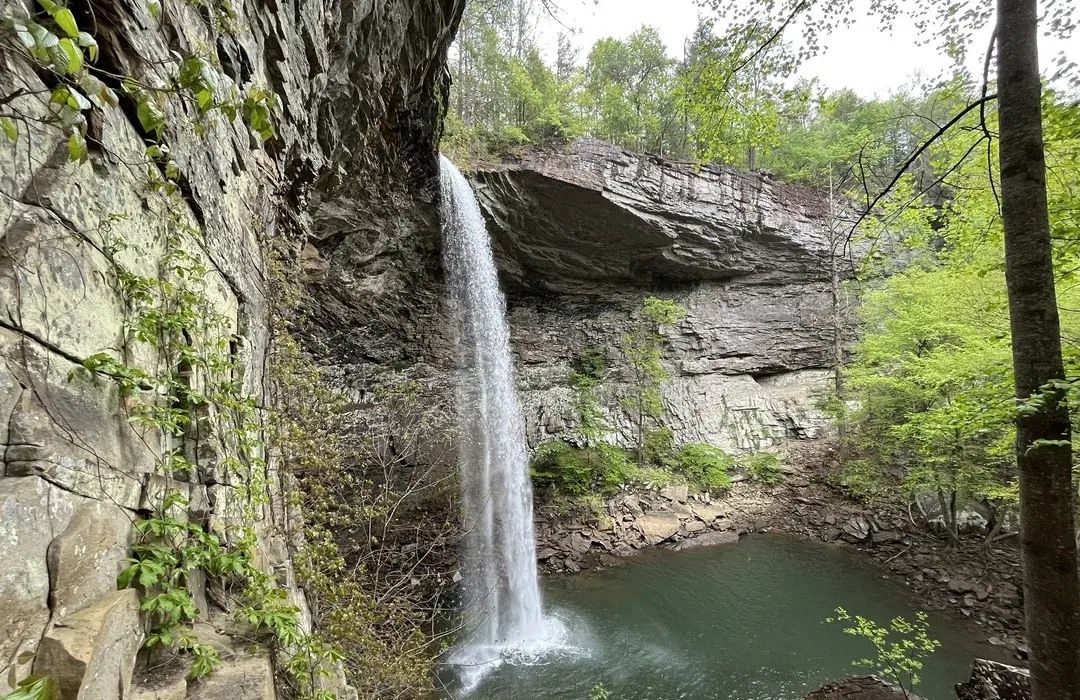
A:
359, 86
583, 233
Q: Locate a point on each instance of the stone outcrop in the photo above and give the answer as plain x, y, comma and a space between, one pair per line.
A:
861, 688
991, 680
585, 231
669, 517
357, 120
91, 653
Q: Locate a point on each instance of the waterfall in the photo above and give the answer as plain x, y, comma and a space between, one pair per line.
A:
502, 612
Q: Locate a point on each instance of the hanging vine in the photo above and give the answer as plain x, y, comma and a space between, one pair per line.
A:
188, 404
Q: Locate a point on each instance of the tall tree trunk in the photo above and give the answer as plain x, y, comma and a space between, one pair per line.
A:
1051, 591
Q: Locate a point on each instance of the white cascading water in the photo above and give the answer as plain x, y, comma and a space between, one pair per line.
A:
502, 613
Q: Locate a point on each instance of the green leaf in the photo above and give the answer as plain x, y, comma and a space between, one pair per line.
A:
154, 6
126, 576
77, 101
35, 688
151, 119
43, 38
59, 95
73, 54
66, 21
11, 130
90, 43
77, 147
205, 100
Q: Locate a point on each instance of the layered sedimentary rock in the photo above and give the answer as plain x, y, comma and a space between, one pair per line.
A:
356, 126
586, 231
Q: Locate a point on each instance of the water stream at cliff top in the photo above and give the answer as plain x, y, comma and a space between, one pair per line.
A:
502, 616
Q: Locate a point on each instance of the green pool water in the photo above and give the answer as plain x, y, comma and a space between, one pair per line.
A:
735, 622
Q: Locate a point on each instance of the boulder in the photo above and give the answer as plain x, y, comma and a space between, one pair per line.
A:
168, 683
991, 680
31, 511
695, 526
243, 677
675, 492
856, 530
709, 539
861, 688
579, 543
707, 513
658, 525
91, 653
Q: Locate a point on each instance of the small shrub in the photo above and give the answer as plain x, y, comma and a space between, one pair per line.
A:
704, 465
599, 692
611, 466
764, 467
660, 446
592, 362
575, 471
899, 648
561, 466
652, 476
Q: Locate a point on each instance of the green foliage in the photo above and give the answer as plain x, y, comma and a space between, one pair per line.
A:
899, 648
928, 404
764, 467
576, 471
587, 378
560, 465
365, 602
659, 446
705, 466
54, 43
35, 688
642, 347
599, 692
592, 362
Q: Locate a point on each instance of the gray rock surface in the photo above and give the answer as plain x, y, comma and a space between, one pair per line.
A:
861, 688
584, 232
590, 216
346, 185
91, 651
991, 680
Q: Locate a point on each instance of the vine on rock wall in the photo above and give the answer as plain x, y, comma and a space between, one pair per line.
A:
186, 396
221, 456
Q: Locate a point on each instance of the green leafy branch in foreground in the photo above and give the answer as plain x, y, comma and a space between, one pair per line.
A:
54, 43
899, 648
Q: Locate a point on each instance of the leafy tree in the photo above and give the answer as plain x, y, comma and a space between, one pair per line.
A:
1043, 445
733, 96
628, 88
643, 349
899, 648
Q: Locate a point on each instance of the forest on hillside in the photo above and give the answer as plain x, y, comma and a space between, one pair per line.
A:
955, 316
925, 396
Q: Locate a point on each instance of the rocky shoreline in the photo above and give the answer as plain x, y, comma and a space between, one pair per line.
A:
972, 581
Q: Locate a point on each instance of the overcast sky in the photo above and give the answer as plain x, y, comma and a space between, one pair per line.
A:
860, 57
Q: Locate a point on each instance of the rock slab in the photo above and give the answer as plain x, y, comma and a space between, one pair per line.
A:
91, 653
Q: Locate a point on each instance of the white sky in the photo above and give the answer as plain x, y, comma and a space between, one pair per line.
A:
859, 57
